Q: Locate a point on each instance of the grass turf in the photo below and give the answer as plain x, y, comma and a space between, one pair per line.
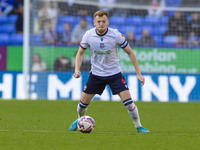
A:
43, 125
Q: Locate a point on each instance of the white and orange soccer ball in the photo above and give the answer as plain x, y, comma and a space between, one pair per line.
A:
86, 124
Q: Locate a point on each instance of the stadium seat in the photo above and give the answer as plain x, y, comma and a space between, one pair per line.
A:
16, 39
117, 20
134, 20
164, 20
170, 39
3, 19
138, 36
114, 26
4, 39
12, 18
130, 28
89, 19
38, 39
148, 20
160, 30
7, 28
67, 19
60, 28
159, 40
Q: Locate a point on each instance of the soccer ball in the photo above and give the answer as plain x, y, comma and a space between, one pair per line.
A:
86, 124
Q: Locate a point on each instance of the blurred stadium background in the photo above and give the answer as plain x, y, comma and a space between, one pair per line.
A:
164, 34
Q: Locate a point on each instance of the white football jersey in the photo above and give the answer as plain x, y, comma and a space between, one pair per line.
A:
104, 51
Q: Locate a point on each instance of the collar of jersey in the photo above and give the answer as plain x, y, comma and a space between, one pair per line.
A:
101, 34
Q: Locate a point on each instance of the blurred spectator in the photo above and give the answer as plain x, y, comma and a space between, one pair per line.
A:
52, 13
49, 34
86, 65
180, 42
146, 39
65, 37
192, 41
38, 65
157, 8
62, 63
130, 38
178, 25
17, 6
47, 13
195, 24
195, 43
6, 6
79, 31
19, 23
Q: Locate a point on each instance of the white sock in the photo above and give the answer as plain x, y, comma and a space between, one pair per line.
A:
133, 112
81, 109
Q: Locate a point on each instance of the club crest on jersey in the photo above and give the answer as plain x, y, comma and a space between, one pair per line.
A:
102, 45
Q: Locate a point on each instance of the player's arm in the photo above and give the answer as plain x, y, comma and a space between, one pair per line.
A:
78, 62
134, 61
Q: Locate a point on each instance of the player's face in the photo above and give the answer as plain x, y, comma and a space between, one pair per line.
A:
101, 24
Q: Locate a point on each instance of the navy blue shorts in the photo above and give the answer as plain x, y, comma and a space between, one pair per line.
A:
96, 84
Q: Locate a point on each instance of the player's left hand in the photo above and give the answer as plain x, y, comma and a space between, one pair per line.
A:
77, 74
141, 78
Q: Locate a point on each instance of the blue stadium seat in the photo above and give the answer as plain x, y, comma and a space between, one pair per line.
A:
89, 19
117, 20
16, 39
164, 20
134, 20
60, 28
173, 3
38, 39
67, 19
3, 19
134, 29
160, 30
12, 18
170, 39
138, 36
114, 26
130, 28
4, 39
159, 40
7, 28
148, 20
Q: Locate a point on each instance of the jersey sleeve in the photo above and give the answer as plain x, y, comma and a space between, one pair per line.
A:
84, 42
121, 40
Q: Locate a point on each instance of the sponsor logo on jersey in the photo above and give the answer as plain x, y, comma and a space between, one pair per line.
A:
102, 52
102, 45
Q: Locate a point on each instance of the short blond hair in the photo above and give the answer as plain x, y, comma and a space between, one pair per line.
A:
100, 13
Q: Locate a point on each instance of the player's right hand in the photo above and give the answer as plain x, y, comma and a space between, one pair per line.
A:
77, 74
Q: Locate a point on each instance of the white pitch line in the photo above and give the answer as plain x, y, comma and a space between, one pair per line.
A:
45, 131
103, 132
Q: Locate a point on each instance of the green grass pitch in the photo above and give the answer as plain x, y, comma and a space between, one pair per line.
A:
43, 125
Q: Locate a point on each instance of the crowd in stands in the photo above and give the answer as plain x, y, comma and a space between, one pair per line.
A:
61, 64
65, 23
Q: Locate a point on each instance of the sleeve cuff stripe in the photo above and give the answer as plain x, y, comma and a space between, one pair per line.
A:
82, 47
125, 45
122, 43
